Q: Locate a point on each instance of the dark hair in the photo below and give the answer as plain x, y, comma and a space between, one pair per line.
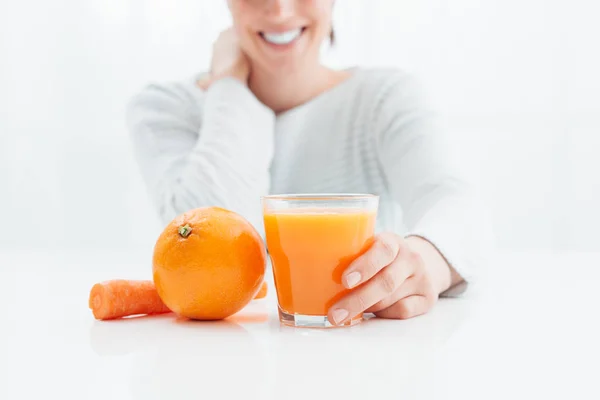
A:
332, 36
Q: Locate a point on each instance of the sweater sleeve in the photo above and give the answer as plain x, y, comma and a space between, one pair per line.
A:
438, 201
198, 149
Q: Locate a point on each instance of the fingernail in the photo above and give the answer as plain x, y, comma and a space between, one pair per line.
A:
352, 279
339, 315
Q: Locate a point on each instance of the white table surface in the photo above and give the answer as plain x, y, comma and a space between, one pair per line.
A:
529, 329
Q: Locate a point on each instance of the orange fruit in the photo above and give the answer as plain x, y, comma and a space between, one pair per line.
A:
208, 263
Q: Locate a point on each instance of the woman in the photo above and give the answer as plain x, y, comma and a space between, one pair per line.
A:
270, 118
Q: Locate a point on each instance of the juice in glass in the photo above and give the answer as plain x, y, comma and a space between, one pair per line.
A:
311, 240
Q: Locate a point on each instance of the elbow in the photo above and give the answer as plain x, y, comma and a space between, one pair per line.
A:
172, 201
176, 199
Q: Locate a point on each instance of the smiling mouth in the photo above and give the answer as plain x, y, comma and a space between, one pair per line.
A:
282, 38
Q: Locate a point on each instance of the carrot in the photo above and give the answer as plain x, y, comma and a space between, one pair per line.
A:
262, 292
121, 298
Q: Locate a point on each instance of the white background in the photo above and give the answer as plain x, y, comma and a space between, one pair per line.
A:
517, 80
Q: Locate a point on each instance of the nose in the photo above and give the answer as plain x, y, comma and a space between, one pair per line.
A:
281, 8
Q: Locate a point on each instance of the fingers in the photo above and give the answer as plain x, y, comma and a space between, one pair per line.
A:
382, 285
227, 34
418, 284
408, 307
408, 288
381, 254
389, 280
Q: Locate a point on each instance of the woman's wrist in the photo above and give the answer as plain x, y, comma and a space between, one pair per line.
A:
442, 275
240, 71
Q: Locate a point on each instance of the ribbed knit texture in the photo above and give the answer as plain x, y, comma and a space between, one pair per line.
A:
372, 133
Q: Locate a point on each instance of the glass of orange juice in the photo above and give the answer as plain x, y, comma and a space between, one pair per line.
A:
311, 240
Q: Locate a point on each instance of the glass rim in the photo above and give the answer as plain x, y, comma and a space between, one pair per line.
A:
320, 196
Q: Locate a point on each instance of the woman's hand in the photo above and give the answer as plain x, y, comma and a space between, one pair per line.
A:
227, 60
396, 278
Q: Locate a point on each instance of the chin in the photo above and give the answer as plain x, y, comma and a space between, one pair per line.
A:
284, 51
287, 66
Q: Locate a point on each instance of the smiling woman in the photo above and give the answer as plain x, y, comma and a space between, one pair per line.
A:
283, 40
269, 117
282, 34
280, 39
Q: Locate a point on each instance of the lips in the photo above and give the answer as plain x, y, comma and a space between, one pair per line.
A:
282, 38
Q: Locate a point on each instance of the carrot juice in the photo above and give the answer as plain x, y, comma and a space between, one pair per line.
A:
311, 241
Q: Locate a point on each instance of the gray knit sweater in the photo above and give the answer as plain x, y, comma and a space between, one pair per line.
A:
373, 133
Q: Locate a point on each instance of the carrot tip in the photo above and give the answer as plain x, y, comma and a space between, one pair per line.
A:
121, 298
262, 292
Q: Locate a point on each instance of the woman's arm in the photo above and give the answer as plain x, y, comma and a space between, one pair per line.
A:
403, 275
446, 219
196, 148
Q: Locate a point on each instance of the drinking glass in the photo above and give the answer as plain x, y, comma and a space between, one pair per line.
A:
311, 240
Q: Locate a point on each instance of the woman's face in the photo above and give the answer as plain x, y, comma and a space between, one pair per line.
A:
282, 35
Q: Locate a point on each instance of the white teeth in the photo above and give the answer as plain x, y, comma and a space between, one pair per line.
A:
283, 37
